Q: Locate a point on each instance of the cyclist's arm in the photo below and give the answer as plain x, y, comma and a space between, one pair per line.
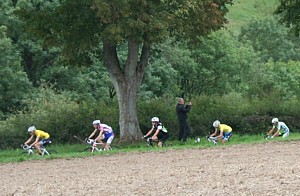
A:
276, 133
215, 133
271, 131
29, 140
149, 132
221, 134
92, 134
100, 134
156, 133
184, 108
36, 141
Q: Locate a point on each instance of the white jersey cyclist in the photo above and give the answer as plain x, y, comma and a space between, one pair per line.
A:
283, 129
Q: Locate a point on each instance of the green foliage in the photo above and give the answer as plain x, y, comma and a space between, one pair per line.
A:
63, 117
57, 114
93, 21
289, 12
223, 64
286, 77
14, 84
279, 47
178, 55
159, 80
92, 83
36, 59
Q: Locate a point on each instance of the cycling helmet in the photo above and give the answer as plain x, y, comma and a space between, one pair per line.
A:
216, 123
155, 119
274, 120
31, 129
96, 122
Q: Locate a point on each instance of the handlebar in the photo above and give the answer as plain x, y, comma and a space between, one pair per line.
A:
92, 142
26, 147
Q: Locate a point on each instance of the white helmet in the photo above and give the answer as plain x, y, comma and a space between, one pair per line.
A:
155, 119
31, 129
274, 120
96, 122
216, 123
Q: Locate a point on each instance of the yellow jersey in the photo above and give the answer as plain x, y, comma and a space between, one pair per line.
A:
225, 128
41, 134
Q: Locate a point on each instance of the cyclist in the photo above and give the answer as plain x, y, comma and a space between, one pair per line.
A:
160, 133
42, 138
105, 133
225, 131
282, 129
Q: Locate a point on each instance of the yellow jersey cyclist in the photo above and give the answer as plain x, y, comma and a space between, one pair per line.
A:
281, 129
225, 131
41, 138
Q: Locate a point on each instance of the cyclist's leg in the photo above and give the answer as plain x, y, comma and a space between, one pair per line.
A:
38, 146
43, 144
226, 137
162, 137
277, 133
285, 134
109, 140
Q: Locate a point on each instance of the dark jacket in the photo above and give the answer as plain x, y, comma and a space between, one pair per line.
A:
182, 111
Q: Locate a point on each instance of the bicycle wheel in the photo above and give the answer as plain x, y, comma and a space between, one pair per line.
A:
87, 149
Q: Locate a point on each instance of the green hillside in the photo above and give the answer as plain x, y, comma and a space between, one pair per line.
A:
244, 10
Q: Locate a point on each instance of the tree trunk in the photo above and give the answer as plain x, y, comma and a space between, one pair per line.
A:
126, 81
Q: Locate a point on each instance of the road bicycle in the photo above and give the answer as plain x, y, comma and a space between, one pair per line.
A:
29, 150
94, 146
158, 143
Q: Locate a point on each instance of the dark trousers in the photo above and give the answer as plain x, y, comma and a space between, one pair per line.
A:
184, 130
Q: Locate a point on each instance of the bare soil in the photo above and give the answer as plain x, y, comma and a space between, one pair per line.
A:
271, 168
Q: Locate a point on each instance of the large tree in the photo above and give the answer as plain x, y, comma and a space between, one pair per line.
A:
80, 26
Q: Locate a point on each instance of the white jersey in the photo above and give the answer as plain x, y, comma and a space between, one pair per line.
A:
282, 127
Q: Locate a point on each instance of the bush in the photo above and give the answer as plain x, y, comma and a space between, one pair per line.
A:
63, 117
56, 114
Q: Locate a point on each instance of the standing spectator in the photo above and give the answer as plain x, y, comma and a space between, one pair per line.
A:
182, 111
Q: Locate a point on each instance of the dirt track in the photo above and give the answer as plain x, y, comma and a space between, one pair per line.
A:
262, 169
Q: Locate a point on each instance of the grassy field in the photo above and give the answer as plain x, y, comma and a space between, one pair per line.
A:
76, 150
243, 11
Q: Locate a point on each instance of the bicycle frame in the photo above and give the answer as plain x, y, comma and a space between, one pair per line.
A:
30, 151
94, 144
212, 139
